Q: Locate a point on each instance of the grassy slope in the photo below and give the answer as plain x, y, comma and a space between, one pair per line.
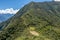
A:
35, 21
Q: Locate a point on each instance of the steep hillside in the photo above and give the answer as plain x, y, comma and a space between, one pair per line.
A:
35, 21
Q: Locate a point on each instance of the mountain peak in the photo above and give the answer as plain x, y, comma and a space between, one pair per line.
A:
40, 18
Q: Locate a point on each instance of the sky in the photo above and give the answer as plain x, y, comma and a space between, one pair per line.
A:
12, 6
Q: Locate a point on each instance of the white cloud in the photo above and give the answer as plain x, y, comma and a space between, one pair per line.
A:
57, 0
9, 10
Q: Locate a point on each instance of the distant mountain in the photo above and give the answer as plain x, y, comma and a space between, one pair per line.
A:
35, 21
4, 17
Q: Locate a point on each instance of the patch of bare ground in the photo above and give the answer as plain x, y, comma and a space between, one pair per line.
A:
34, 33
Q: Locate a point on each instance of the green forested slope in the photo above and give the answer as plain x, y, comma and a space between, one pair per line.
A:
35, 21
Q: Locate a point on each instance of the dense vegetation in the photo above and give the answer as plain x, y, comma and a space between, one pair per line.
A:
35, 21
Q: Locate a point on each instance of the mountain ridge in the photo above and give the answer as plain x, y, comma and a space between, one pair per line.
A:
4, 17
40, 18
